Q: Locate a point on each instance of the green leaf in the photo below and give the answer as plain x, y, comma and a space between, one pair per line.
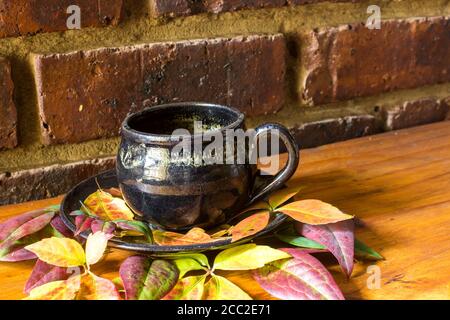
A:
187, 264
199, 257
247, 257
300, 241
364, 252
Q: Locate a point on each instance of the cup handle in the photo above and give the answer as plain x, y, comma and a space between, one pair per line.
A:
293, 159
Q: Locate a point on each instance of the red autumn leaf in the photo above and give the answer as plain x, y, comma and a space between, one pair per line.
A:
43, 273
338, 238
147, 279
10, 225
82, 223
194, 236
104, 226
28, 228
103, 205
250, 226
61, 227
300, 278
19, 255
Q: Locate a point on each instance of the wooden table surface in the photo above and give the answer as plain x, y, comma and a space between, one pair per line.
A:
397, 183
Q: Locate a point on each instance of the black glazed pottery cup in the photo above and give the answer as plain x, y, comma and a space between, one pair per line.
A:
166, 179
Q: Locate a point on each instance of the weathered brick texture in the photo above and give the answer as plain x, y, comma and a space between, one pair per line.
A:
174, 8
25, 17
49, 181
327, 131
8, 114
86, 95
353, 61
414, 113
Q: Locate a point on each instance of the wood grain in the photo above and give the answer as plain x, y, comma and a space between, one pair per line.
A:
397, 184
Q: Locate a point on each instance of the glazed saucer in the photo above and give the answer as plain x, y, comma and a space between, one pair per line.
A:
107, 180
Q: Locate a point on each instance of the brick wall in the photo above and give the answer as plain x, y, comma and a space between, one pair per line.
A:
312, 65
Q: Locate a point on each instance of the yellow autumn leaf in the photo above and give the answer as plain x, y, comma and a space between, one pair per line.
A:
247, 257
96, 244
314, 212
103, 205
281, 196
189, 288
56, 290
219, 288
60, 252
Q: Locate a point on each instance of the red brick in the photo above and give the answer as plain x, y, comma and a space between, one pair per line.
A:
353, 61
172, 8
217, 6
25, 17
314, 134
40, 183
414, 113
8, 113
243, 72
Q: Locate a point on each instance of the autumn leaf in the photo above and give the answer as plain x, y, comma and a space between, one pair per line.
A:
136, 226
188, 264
300, 278
247, 257
193, 236
147, 279
281, 196
107, 227
220, 288
20, 235
93, 287
96, 244
11, 225
43, 273
58, 224
56, 290
250, 226
115, 192
300, 241
338, 238
189, 288
103, 205
314, 212
61, 252
366, 253
83, 223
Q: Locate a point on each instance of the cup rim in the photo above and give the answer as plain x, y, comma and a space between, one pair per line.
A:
146, 137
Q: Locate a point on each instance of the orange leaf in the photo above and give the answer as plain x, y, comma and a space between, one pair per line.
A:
96, 288
281, 196
249, 226
115, 192
314, 212
195, 235
103, 205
